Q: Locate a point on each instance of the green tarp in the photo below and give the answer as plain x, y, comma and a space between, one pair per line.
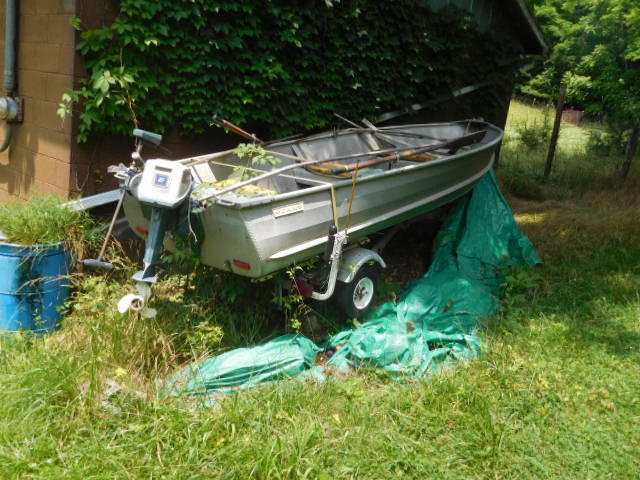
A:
434, 321
282, 357
436, 318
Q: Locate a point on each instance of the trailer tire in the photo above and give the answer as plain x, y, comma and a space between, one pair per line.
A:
355, 298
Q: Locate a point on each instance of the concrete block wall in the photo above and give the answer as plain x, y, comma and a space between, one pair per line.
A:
39, 158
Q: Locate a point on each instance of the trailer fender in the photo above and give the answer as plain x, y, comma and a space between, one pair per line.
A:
355, 258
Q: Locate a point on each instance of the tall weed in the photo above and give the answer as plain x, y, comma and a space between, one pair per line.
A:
41, 220
536, 131
198, 314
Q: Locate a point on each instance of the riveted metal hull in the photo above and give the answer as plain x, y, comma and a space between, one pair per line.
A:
271, 233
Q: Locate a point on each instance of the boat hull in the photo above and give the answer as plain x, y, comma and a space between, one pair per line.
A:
257, 239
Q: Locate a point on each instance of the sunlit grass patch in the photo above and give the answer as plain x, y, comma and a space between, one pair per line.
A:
531, 218
583, 163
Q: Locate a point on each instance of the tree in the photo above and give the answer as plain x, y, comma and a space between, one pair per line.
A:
597, 54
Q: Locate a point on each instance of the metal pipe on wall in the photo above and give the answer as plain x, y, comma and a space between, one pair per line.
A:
9, 107
10, 47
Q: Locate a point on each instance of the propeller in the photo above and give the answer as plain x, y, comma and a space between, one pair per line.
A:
137, 303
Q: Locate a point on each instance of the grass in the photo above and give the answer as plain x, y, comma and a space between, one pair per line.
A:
42, 220
584, 162
556, 395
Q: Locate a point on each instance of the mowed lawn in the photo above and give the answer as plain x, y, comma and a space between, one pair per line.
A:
555, 395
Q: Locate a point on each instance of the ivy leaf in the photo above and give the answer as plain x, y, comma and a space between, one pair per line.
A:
76, 23
101, 84
63, 110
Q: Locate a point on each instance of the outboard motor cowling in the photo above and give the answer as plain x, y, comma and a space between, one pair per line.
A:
164, 183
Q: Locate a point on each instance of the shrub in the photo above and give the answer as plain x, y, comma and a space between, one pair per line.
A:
535, 133
603, 142
599, 143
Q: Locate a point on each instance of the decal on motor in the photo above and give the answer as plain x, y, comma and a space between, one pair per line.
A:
161, 180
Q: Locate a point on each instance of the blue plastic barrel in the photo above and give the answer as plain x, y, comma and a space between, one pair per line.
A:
34, 284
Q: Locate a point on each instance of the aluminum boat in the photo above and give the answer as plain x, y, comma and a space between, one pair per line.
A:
288, 201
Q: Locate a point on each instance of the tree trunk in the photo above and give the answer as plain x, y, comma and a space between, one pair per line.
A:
632, 149
555, 133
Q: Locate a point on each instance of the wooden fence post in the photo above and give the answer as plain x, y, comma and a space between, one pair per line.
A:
555, 133
632, 149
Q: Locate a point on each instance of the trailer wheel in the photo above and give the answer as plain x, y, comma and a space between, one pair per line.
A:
355, 298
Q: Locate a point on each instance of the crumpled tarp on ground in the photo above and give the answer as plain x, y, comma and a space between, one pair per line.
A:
434, 321
436, 318
282, 357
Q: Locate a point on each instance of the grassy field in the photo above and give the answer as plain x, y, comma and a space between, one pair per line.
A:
556, 394
588, 157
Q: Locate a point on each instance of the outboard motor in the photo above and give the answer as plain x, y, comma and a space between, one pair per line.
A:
165, 185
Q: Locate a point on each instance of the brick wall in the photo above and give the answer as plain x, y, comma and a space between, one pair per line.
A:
39, 158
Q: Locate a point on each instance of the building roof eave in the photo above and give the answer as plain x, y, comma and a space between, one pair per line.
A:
536, 34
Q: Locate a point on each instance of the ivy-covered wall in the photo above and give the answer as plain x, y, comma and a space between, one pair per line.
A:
280, 66
277, 67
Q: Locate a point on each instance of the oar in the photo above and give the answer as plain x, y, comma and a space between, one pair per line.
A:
235, 129
371, 128
454, 144
250, 136
346, 120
